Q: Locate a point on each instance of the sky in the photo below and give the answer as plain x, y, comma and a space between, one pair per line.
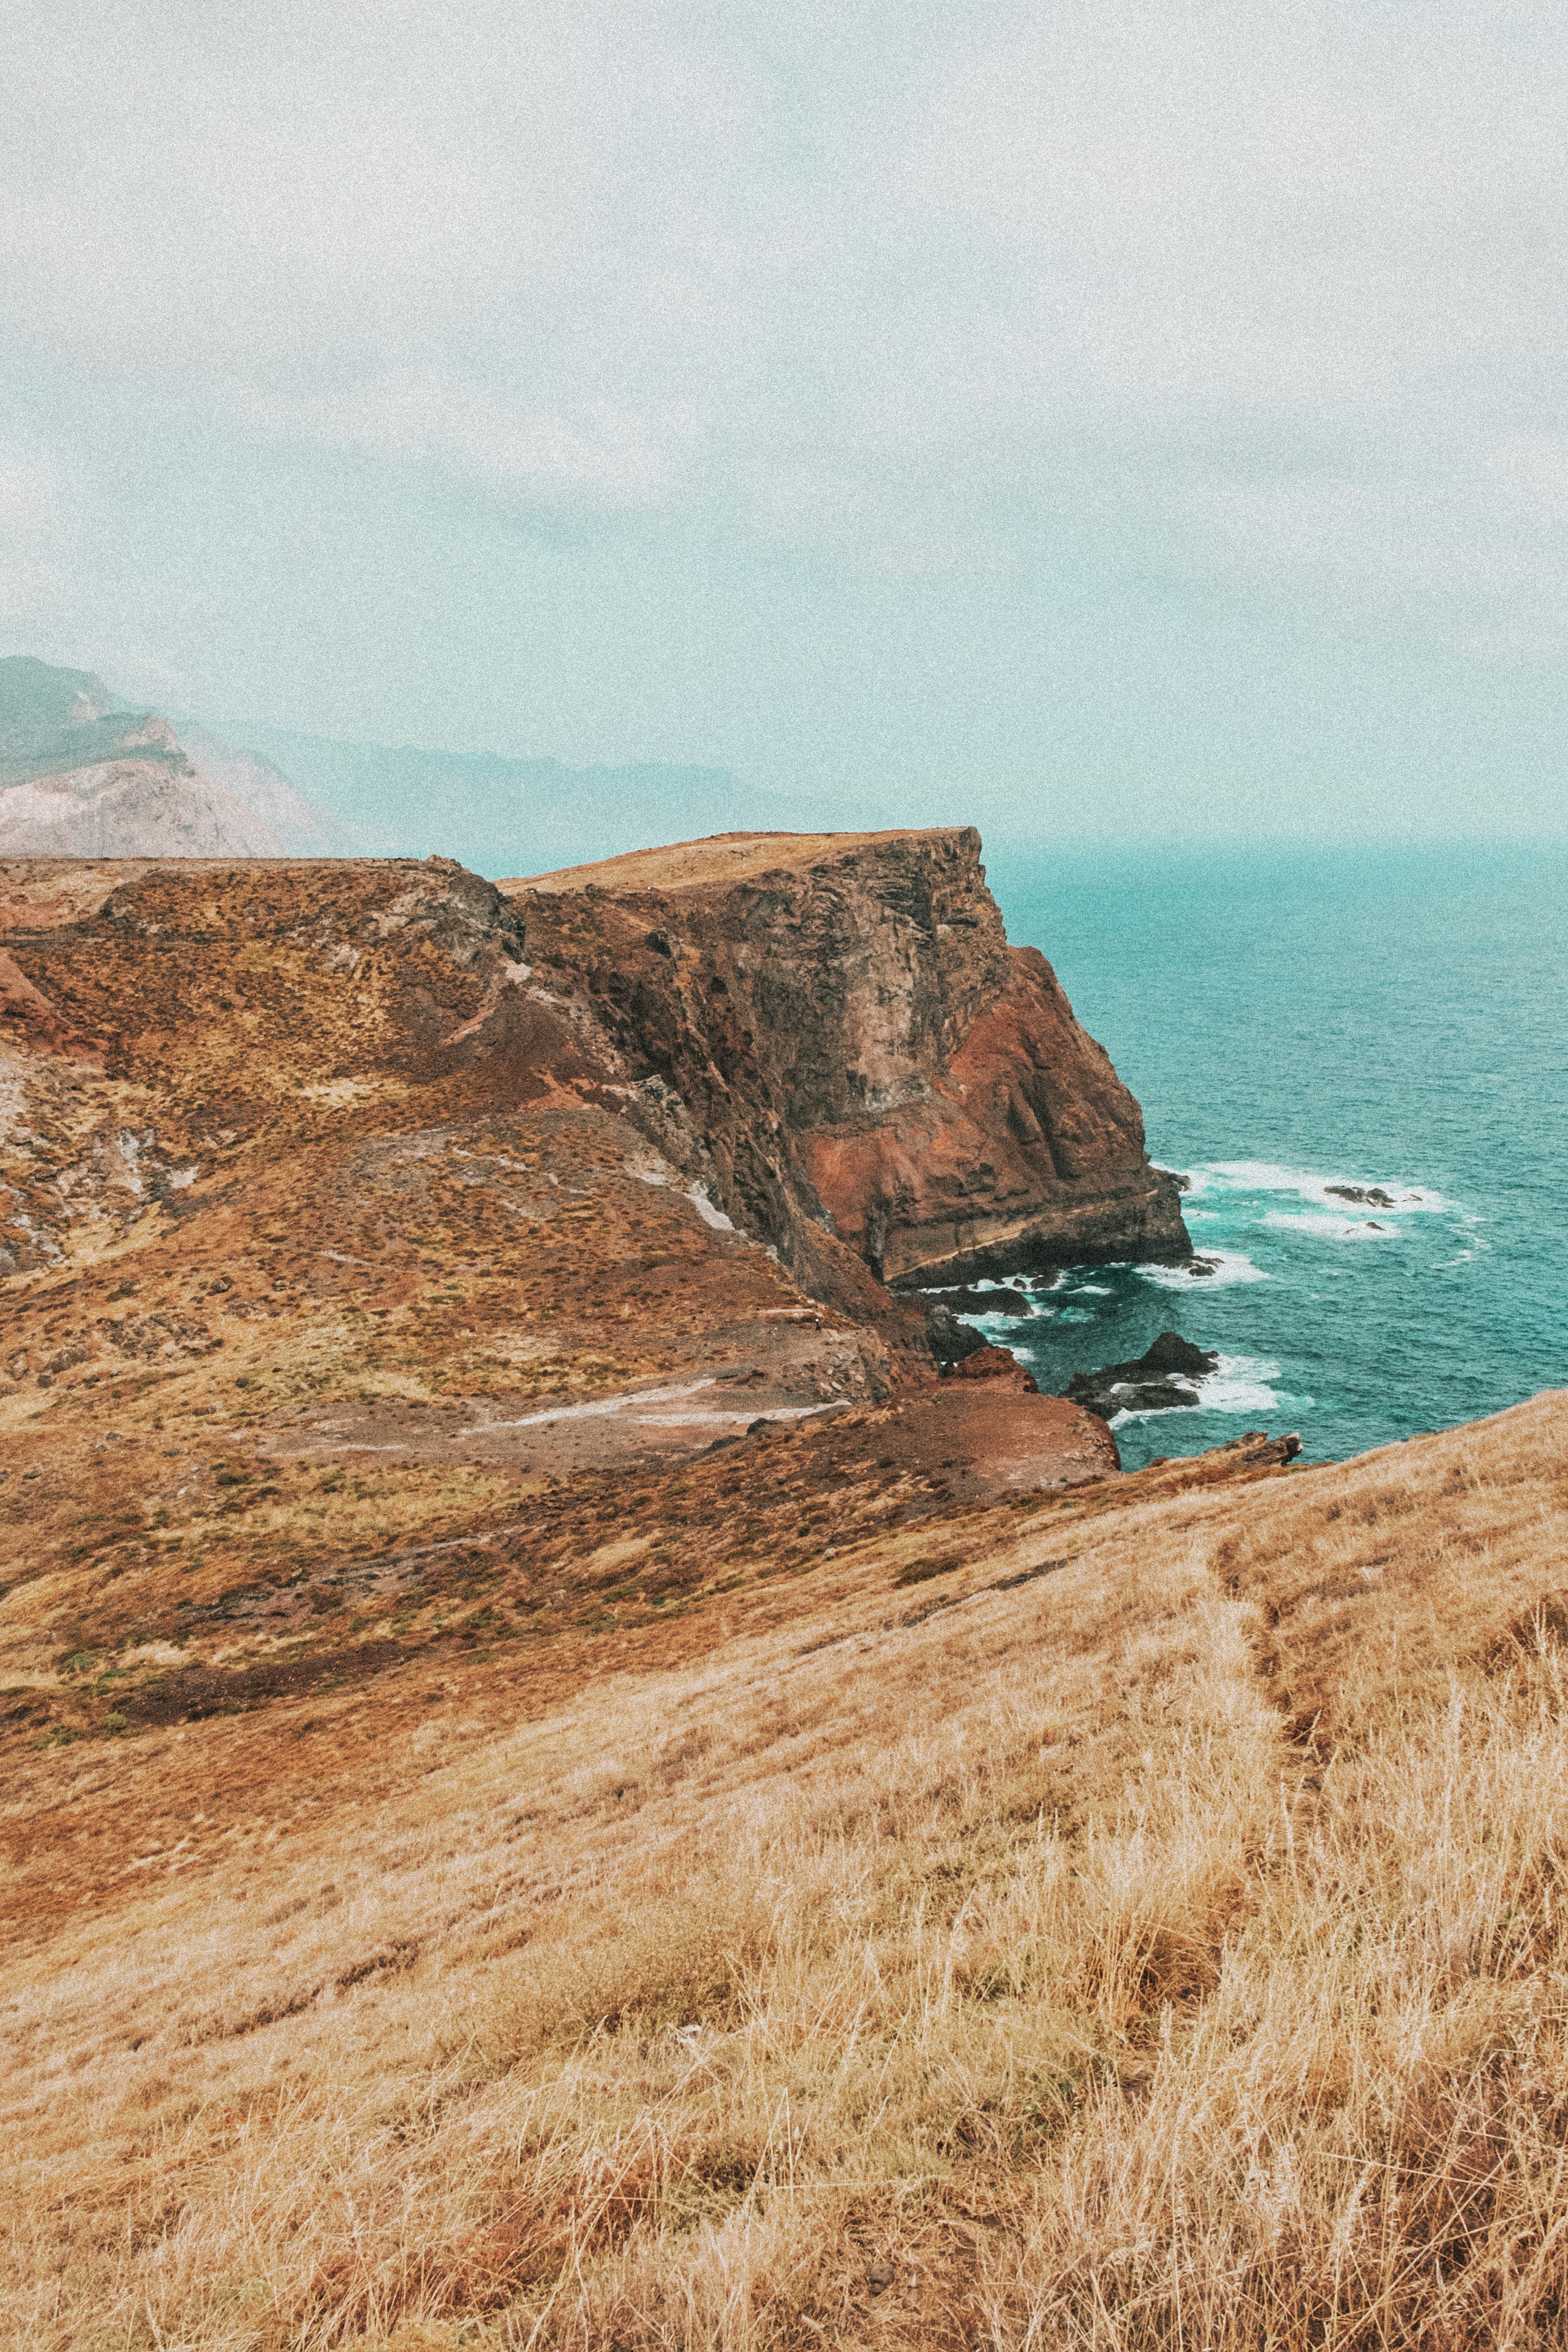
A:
1098, 420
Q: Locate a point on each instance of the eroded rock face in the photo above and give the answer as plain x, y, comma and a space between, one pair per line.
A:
313, 1128
844, 1041
849, 1004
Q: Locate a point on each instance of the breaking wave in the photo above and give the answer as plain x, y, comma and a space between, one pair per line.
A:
1224, 1266
1237, 1384
1396, 1197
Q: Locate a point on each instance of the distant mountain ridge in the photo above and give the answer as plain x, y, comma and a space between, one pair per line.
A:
84, 774
36, 697
500, 816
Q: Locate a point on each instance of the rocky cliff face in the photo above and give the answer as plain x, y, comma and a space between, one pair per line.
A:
321, 1036
827, 1037
843, 1019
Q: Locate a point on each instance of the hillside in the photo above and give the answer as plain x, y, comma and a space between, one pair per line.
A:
1148, 1932
563, 1788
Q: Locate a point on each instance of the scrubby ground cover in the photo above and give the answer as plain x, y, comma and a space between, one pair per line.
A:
1159, 1943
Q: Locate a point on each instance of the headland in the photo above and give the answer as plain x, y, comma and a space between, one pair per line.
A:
556, 1764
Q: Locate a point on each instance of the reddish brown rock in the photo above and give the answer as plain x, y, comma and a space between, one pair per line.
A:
997, 1365
824, 1040
845, 1023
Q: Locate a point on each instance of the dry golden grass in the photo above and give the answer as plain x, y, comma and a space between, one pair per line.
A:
1166, 1951
723, 858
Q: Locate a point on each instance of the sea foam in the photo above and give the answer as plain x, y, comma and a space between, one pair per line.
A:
1268, 1176
1229, 1267
1236, 1384
1337, 1227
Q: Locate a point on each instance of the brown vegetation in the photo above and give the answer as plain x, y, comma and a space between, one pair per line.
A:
1161, 1944
561, 1790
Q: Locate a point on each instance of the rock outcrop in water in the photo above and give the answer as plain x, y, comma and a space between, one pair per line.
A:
1156, 1382
846, 1024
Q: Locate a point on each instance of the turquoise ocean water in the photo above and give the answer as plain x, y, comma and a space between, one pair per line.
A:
1393, 1017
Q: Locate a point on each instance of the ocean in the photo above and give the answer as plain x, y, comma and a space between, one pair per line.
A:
1385, 1018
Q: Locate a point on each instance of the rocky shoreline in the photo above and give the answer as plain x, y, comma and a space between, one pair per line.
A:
1161, 1380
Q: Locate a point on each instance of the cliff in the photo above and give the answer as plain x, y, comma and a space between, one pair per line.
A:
838, 1053
346, 1051
862, 1050
618, 1118
310, 1149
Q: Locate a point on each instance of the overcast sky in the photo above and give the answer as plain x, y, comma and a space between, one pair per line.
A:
1098, 418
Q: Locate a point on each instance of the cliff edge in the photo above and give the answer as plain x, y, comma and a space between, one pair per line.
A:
864, 1052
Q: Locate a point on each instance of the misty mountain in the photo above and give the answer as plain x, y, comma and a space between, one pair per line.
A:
303, 829
503, 816
80, 776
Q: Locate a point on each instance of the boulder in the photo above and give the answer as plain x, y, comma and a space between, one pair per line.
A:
950, 1340
1171, 1353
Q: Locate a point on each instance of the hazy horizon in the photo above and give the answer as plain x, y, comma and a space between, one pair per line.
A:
1110, 422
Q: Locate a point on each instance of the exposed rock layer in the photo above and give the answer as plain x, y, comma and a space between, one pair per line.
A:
858, 1044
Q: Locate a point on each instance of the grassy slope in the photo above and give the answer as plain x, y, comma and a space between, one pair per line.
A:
640, 1909
1166, 1950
